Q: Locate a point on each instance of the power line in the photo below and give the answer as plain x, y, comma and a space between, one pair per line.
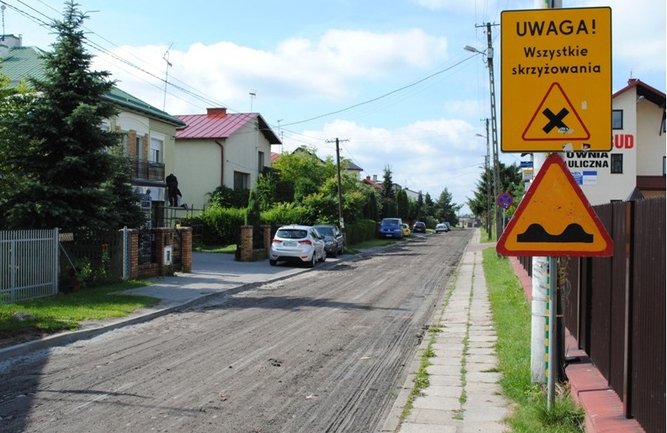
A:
331, 113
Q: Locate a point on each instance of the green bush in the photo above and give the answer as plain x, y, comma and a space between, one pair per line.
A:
286, 213
359, 231
220, 225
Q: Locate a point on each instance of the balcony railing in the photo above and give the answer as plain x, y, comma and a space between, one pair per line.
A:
147, 170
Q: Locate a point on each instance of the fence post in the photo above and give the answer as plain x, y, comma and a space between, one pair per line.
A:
56, 260
246, 243
186, 249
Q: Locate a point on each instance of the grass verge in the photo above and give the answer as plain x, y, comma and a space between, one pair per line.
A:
511, 313
65, 311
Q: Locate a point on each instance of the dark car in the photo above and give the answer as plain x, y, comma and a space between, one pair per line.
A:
391, 228
334, 239
419, 227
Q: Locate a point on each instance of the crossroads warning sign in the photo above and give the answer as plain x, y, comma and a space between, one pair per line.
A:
556, 80
555, 126
555, 219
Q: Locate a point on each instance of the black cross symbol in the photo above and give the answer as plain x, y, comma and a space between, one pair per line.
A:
555, 120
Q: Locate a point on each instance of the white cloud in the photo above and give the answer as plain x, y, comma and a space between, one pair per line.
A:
298, 68
427, 156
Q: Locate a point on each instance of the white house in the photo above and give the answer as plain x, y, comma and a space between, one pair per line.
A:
220, 149
635, 166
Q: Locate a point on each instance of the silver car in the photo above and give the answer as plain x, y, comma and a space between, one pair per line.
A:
297, 243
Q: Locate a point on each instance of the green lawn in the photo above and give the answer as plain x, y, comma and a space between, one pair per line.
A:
511, 313
66, 311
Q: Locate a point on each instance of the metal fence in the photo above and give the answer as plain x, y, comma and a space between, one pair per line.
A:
28, 264
94, 257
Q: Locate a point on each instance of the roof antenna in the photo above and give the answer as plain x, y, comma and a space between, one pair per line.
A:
165, 57
2, 37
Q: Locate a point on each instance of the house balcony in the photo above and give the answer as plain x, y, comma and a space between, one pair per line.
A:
147, 170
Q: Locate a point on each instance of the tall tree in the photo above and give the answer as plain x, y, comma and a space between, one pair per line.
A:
403, 205
389, 208
69, 181
446, 210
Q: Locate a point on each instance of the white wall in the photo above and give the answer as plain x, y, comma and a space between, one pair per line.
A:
197, 168
652, 150
592, 170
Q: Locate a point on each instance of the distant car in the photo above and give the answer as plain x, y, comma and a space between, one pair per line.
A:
334, 239
419, 227
442, 227
391, 228
297, 243
406, 229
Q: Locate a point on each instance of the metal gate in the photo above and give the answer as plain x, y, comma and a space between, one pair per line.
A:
28, 264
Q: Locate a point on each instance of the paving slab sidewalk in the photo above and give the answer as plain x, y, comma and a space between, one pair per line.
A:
463, 395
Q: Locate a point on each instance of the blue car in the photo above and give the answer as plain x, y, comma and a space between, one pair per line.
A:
391, 228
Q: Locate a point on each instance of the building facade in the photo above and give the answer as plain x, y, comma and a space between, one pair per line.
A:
221, 149
634, 168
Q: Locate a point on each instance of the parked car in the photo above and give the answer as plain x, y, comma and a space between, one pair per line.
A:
391, 228
334, 239
406, 229
297, 243
442, 227
419, 227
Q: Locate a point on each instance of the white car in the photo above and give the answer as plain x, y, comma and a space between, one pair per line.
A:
442, 227
297, 243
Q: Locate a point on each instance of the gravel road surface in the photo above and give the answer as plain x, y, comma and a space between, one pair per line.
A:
323, 351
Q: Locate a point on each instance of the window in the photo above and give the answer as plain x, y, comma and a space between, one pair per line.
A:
139, 147
617, 163
156, 150
617, 119
260, 162
241, 181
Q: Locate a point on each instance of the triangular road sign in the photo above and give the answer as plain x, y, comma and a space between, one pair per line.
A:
555, 119
555, 219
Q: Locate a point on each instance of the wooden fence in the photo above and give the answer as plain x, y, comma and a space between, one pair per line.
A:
615, 308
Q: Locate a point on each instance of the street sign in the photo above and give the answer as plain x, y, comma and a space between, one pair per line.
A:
555, 219
555, 75
504, 200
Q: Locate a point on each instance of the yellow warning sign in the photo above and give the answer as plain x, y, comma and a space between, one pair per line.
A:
555, 219
555, 80
556, 119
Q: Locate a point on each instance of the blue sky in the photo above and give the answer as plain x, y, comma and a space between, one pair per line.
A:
404, 92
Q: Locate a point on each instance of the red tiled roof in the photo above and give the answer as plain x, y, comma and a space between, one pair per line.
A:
652, 94
212, 126
217, 124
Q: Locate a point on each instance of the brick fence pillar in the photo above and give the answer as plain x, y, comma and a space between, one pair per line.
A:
246, 244
266, 232
186, 249
162, 240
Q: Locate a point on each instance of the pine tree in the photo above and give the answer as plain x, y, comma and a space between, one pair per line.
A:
389, 208
69, 169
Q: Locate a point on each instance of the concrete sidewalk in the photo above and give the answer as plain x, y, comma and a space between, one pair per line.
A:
463, 395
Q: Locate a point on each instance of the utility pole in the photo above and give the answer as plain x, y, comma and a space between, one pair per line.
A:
494, 129
341, 221
494, 122
489, 199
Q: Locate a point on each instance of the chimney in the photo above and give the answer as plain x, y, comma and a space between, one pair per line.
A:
375, 178
219, 111
8, 43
